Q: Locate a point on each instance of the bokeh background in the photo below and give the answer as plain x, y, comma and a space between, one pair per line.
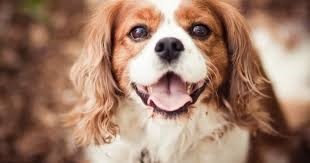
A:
39, 40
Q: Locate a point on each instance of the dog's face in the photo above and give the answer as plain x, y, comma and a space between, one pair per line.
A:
166, 57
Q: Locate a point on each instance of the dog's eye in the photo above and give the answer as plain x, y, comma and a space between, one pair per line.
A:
138, 33
200, 31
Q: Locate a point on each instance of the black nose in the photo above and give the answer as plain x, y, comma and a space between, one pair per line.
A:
169, 48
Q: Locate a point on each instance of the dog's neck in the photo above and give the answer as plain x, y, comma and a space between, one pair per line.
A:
203, 138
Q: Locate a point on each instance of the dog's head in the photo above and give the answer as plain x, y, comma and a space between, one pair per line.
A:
167, 57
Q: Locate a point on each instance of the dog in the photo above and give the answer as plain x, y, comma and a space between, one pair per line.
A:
174, 82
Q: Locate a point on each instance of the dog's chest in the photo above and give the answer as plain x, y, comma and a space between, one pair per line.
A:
231, 148
156, 141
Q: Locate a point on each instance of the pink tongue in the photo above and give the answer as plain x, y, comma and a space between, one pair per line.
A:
169, 93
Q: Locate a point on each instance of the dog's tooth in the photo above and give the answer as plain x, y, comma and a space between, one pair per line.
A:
149, 89
189, 88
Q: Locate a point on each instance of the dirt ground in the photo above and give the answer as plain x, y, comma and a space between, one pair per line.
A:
38, 42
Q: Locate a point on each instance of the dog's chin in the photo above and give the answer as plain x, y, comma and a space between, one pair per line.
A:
170, 96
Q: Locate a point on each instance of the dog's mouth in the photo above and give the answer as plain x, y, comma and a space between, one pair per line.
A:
170, 95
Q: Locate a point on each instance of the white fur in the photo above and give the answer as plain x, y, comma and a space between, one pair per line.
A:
183, 140
172, 141
146, 68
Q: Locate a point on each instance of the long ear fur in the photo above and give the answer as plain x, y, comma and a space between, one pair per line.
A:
248, 94
92, 76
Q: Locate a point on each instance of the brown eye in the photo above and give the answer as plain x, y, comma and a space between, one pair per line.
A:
200, 31
138, 33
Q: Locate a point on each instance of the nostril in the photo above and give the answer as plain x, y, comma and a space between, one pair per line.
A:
177, 46
174, 45
159, 47
169, 48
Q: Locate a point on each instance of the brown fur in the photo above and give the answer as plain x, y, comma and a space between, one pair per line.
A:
246, 83
239, 85
238, 81
107, 45
124, 48
214, 46
93, 77
247, 94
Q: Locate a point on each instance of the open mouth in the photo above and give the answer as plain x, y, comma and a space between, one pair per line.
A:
170, 96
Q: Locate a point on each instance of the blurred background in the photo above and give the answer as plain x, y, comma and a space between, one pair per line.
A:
39, 40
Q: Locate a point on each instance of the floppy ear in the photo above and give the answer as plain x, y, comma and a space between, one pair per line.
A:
92, 76
248, 94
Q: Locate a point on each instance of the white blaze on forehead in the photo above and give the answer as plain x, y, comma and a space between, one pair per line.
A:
167, 7
147, 68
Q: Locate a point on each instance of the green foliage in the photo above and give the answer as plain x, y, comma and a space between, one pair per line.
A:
35, 9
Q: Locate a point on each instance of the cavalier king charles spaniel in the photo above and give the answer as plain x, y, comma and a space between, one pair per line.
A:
174, 81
